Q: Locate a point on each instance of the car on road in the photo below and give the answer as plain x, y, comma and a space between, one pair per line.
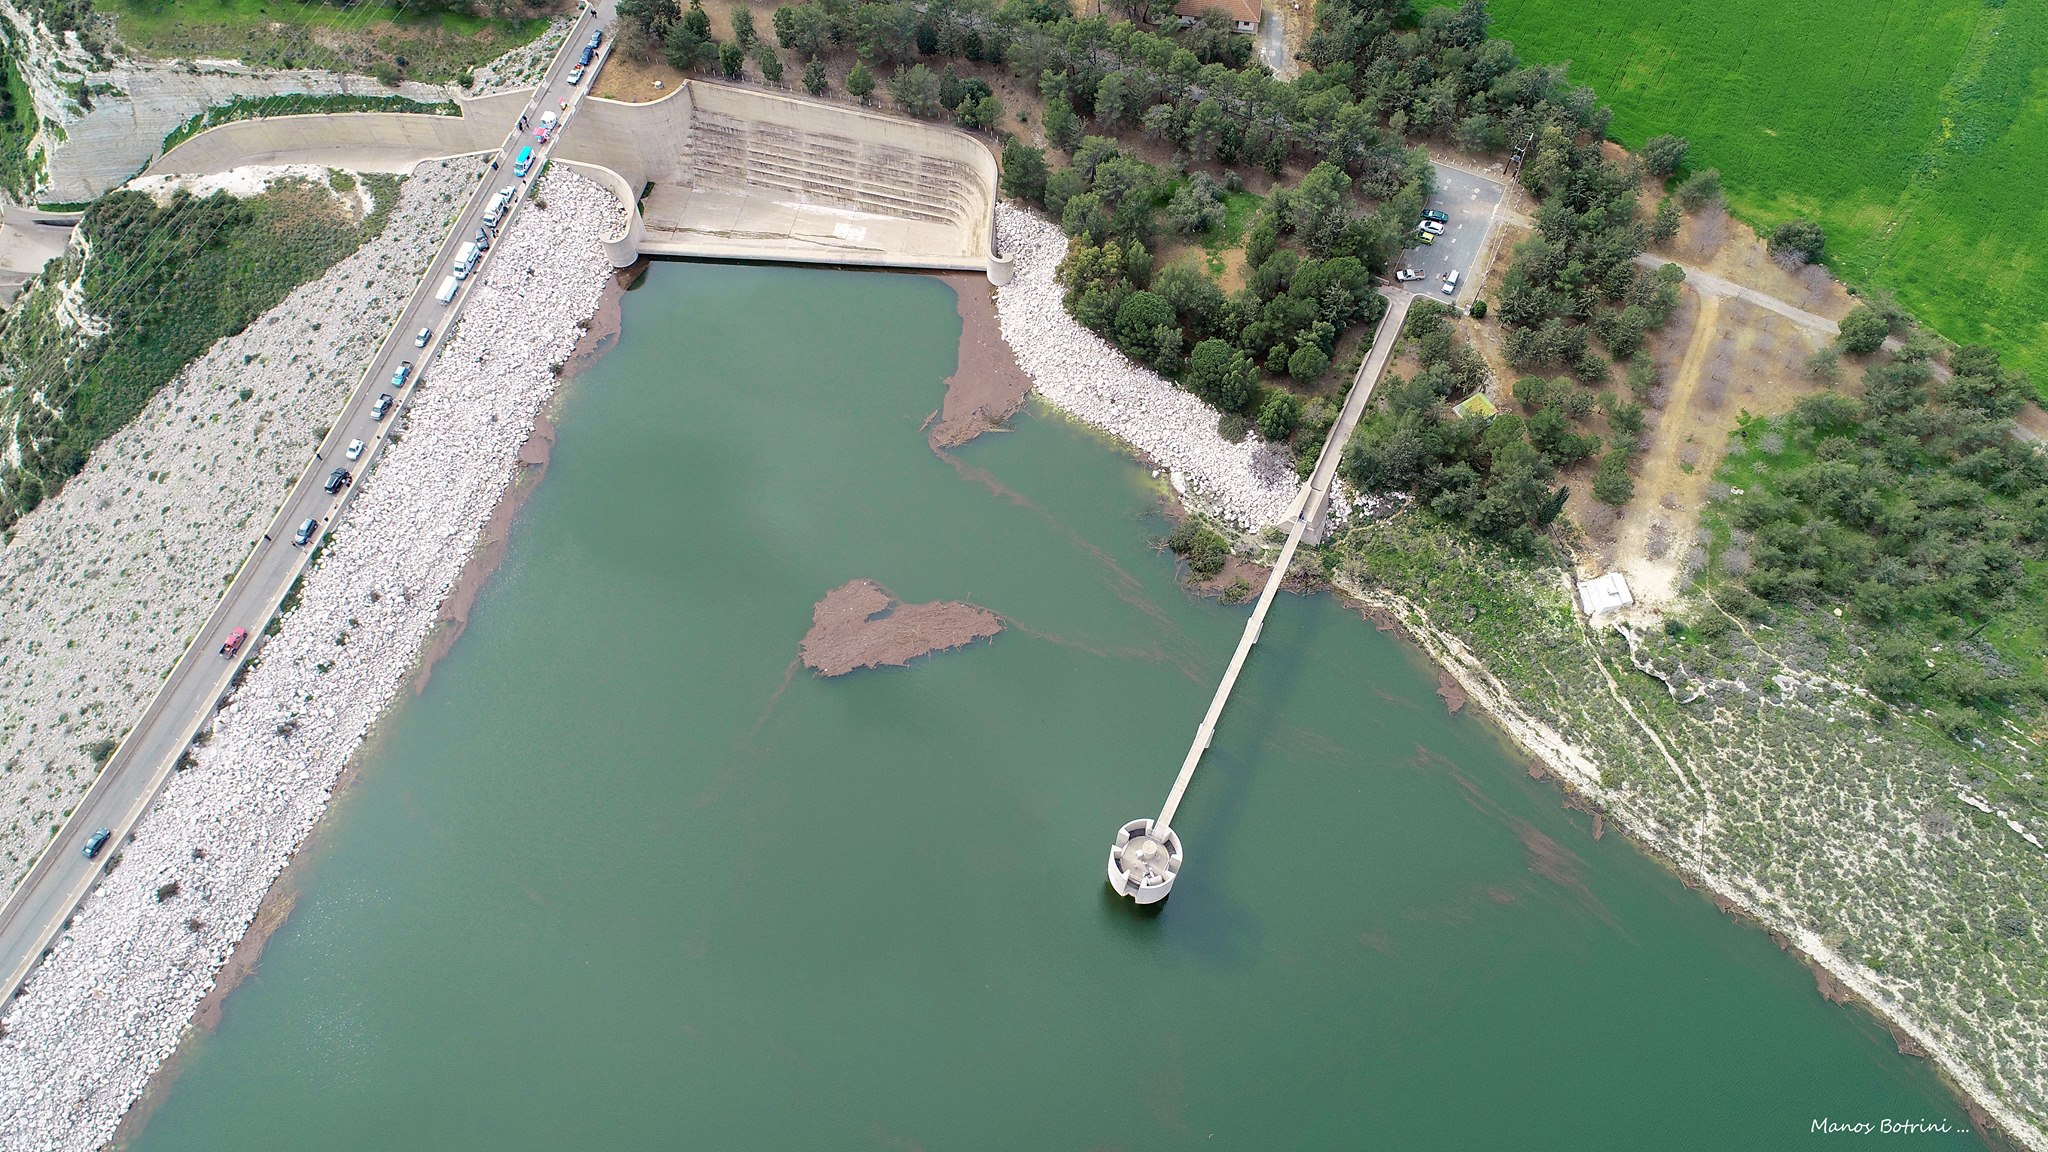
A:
548, 120
1433, 214
584, 60
305, 532
1424, 237
576, 74
596, 38
420, 341
234, 642
355, 450
339, 479
97, 841
403, 374
483, 239
382, 407
524, 160
1451, 282
446, 294
1433, 227
1406, 274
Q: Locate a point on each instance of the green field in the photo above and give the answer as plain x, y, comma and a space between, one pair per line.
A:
1914, 131
386, 38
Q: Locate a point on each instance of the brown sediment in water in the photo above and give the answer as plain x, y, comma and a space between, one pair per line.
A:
861, 624
987, 386
1452, 692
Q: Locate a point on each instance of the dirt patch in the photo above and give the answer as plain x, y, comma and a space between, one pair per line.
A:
2033, 419
1717, 358
1451, 692
1714, 241
861, 624
986, 386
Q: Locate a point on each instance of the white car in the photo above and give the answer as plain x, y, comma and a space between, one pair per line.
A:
1406, 274
1451, 283
355, 449
1432, 227
576, 74
420, 341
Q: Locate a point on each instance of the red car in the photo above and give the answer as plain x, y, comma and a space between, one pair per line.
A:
234, 643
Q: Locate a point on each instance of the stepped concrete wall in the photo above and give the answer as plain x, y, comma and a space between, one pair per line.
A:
713, 171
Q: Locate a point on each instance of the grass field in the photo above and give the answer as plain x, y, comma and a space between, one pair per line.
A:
1912, 130
392, 39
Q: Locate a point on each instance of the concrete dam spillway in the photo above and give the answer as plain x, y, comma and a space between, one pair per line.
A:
711, 171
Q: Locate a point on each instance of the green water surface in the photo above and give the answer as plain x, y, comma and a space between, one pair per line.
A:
623, 877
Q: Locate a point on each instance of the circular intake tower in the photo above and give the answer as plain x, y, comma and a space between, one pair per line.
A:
1142, 863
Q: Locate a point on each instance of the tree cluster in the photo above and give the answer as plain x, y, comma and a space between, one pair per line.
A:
1914, 509
1488, 473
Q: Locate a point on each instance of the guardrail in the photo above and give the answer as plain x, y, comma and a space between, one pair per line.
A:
19, 968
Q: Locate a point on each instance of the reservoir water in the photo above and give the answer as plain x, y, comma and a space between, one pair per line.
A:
623, 876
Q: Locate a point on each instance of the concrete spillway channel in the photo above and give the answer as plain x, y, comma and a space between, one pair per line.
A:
1147, 854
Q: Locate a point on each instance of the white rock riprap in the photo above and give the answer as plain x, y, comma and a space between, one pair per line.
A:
1249, 484
105, 583
113, 998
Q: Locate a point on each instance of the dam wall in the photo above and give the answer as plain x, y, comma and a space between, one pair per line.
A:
360, 141
712, 171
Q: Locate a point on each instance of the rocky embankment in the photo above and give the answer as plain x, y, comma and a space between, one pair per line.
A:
1248, 484
115, 995
104, 584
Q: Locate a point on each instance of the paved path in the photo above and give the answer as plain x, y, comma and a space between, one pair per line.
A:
1712, 285
1306, 519
36, 913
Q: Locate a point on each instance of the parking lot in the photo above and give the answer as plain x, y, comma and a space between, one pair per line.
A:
1470, 201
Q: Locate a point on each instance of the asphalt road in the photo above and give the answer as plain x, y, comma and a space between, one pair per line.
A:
1473, 203
39, 908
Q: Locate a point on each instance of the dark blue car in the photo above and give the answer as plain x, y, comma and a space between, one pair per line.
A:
97, 841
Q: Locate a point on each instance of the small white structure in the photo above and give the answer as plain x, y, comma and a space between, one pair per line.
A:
1604, 594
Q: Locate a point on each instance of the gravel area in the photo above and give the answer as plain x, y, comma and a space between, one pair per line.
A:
104, 584
1248, 484
114, 997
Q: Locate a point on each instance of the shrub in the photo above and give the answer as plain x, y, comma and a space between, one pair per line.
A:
1279, 415
1611, 482
1863, 331
1661, 155
1221, 375
1797, 242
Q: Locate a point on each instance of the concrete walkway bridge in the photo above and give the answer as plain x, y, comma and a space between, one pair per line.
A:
1147, 854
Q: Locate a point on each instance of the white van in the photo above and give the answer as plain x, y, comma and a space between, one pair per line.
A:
447, 293
465, 259
1451, 283
496, 211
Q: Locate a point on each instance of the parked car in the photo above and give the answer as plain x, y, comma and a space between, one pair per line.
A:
1433, 227
1451, 283
1406, 274
1433, 214
524, 160
483, 239
596, 38
338, 479
234, 642
1424, 237
584, 60
382, 407
576, 74
97, 841
420, 341
355, 450
305, 532
548, 120
403, 374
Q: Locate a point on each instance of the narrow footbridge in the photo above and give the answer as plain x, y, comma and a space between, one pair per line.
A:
1147, 854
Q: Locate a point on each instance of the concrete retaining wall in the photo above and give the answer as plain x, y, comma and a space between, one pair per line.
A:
711, 170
